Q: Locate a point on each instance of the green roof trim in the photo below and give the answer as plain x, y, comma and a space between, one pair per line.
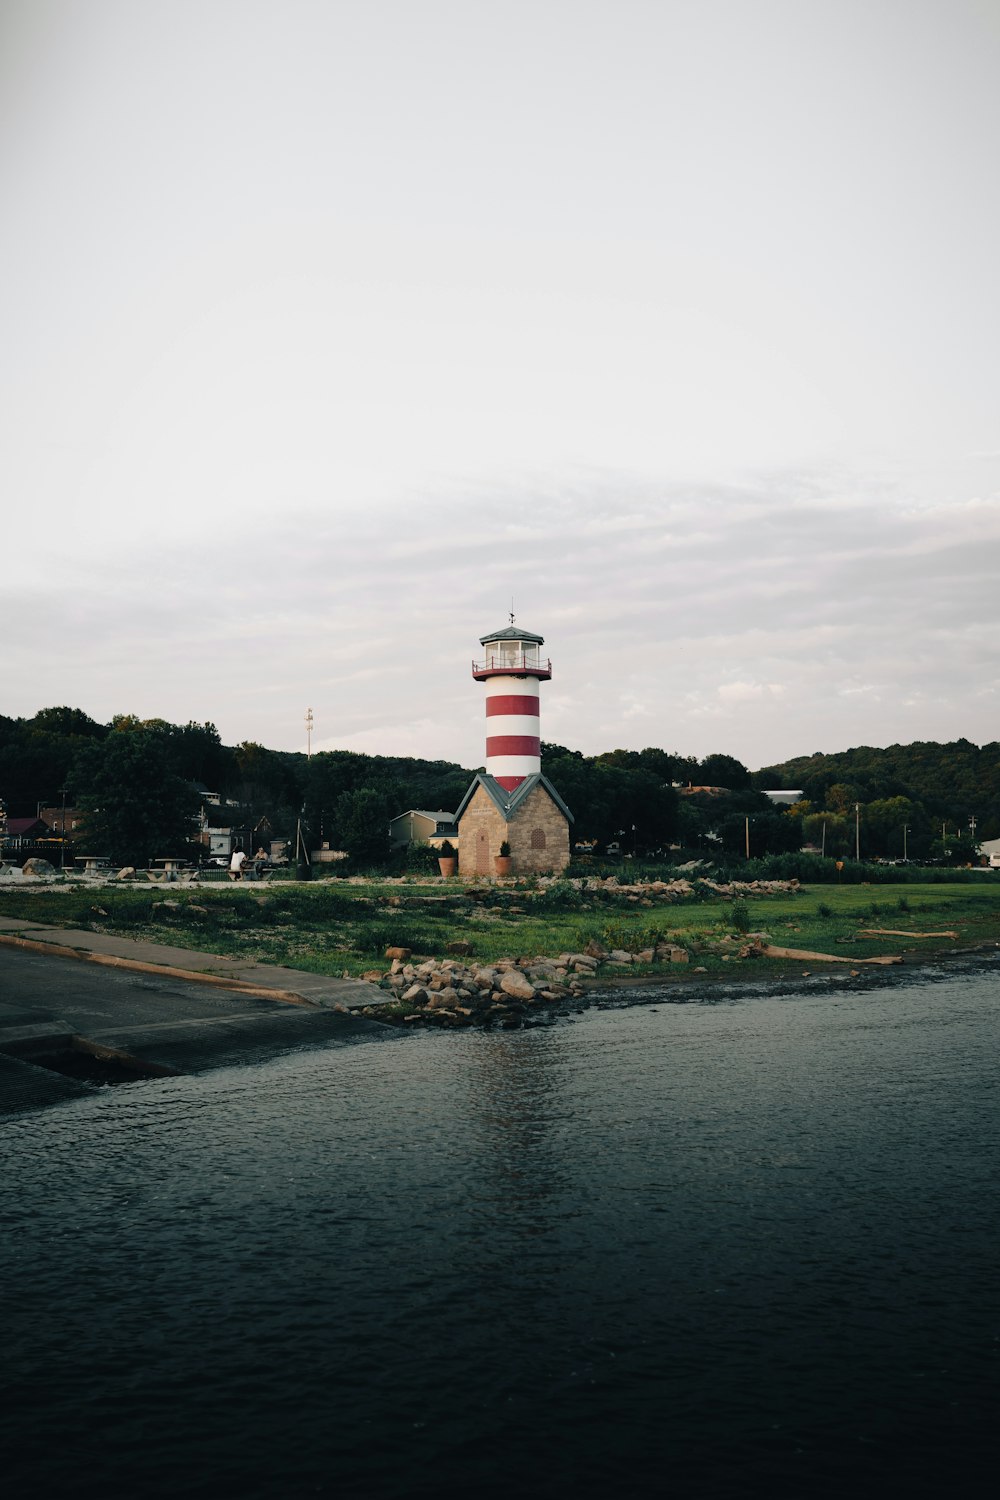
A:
506, 802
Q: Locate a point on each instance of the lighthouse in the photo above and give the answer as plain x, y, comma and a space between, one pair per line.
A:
512, 667
511, 804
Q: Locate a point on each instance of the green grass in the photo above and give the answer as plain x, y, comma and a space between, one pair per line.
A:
330, 927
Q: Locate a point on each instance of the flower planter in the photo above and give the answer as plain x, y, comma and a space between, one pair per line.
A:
447, 867
502, 863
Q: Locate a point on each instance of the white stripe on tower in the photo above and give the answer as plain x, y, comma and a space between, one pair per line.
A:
513, 742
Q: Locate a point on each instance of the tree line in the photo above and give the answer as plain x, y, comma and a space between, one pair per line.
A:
925, 800
141, 782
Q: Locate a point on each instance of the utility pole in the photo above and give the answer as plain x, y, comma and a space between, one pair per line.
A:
906, 829
309, 732
857, 831
748, 835
62, 842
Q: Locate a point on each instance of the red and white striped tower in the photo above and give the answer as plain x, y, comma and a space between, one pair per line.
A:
512, 669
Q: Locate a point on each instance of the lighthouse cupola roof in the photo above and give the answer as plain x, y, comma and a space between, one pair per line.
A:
512, 633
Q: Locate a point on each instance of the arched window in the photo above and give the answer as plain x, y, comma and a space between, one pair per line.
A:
538, 838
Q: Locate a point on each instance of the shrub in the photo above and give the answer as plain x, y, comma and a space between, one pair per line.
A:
630, 939
560, 895
420, 859
739, 915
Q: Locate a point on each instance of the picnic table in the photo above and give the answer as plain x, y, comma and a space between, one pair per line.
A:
253, 869
169, 867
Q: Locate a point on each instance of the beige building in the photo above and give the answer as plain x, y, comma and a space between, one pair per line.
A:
418, 825
533, 819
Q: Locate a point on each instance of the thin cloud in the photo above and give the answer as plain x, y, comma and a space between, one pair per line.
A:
741, 646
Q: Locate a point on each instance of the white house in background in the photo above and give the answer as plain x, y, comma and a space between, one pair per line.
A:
990, 850
784, 798
420, 826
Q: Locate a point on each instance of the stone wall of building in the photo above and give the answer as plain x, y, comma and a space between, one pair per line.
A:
480, 833
538, 835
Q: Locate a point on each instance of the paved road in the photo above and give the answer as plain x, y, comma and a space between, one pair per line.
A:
51, 1007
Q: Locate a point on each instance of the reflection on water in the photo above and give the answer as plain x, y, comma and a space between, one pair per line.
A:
700, 1249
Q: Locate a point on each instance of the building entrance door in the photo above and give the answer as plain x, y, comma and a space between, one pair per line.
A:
482, 852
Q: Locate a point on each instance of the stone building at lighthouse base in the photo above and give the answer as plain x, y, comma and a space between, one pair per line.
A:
533, 819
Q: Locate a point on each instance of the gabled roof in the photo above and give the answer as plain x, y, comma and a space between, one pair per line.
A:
511, 633
441, 816
506, 802
226, 817
19, 827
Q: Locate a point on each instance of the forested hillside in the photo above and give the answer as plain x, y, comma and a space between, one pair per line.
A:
941, 792
141, 782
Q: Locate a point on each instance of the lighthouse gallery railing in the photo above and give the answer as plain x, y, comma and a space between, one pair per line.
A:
508, 663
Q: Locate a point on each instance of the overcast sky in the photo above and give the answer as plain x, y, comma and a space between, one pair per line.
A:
329, 328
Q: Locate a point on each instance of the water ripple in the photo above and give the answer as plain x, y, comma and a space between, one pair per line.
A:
748, 1245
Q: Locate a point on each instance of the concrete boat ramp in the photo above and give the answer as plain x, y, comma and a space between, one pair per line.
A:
79, 1009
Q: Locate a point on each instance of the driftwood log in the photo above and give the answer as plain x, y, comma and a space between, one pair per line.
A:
896, 932
770, 950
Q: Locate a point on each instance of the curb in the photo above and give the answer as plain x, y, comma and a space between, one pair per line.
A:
193, 976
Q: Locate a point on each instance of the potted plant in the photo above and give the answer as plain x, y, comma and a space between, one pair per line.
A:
502, 860
447, 859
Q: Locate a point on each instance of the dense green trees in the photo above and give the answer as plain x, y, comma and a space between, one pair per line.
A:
613, 799
829, 833
341, 789
36, 755
723, 770
766, 830
135, 804
916, 801
361, 824
946, 783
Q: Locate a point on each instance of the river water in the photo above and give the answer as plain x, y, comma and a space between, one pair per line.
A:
745, 1244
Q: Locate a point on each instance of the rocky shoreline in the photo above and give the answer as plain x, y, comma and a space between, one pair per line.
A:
510, 993
456, 991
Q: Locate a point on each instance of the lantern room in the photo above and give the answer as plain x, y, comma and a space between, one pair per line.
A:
511, 652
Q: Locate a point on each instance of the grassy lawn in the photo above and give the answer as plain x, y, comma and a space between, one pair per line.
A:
330, 927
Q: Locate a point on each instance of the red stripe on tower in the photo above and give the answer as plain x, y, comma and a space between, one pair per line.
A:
511, 703
512, 744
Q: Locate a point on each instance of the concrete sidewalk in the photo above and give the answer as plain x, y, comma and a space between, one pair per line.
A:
80, 1009
294, 986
